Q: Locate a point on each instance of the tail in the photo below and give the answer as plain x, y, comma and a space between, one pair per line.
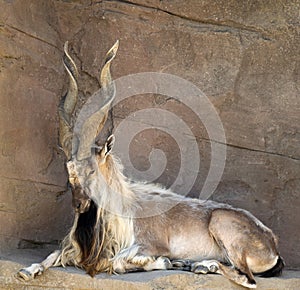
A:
276, 270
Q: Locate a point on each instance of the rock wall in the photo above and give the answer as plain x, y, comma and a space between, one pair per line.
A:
243, 56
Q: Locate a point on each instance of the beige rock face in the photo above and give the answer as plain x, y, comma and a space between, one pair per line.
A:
243, 56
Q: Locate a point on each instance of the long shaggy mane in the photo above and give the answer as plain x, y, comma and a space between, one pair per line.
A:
99, 234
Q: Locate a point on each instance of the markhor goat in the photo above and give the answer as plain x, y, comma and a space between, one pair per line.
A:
122, 225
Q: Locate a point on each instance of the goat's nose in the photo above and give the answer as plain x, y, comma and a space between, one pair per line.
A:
78, 204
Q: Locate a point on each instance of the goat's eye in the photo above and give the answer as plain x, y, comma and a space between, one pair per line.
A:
92, 172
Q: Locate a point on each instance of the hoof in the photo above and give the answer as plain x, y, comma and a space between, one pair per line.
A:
213, 268
184, 265
252, 286
161, 263
200, 269
248, 283
166, 262
25, 275
181, 263
204, 267
29, 273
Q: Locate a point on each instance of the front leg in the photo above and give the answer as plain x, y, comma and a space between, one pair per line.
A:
37, 269
131, 259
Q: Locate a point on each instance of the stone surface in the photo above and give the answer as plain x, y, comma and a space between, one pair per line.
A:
243, 56
72, 278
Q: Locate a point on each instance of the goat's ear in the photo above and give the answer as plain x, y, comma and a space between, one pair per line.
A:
109, 144
103, 151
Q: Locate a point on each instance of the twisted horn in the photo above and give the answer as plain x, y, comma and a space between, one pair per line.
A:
93, 115
107, 84
67, 105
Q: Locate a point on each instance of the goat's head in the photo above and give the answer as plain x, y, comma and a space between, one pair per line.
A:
77, 139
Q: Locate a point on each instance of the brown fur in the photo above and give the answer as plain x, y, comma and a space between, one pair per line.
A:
121, 225
191, 229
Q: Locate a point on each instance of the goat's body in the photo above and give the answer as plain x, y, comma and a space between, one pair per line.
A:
122, 226
137, 226
204, 235
202, 230
169, 219
160, 223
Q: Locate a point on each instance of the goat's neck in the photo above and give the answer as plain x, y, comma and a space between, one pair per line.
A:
115, 195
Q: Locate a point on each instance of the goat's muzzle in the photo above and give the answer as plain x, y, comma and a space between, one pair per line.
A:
82, 206
80, 201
